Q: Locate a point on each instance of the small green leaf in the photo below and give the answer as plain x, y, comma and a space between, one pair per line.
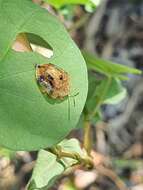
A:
116, 93
97, 84
108, 68
46, 169
60, 3
72, 146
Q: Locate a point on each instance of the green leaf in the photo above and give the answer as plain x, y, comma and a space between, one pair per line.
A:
116, 93
49, 167
108, 68
46, 169
36, 40
28, 121
72, 146
60, 3
97, 84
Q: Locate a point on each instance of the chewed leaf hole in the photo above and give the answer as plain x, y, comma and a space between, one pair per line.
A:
26, 42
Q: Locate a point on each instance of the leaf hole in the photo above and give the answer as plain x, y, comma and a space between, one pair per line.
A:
26, 42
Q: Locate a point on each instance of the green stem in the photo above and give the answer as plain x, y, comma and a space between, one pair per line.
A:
87, 127
87, 136
86, 161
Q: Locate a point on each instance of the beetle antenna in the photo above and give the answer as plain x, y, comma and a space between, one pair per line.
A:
69, 114
73, 96
74, 103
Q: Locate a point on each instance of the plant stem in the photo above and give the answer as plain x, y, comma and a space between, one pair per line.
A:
86, 161
87, 136
87, 127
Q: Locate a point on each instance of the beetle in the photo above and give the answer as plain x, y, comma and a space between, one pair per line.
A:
54, 81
